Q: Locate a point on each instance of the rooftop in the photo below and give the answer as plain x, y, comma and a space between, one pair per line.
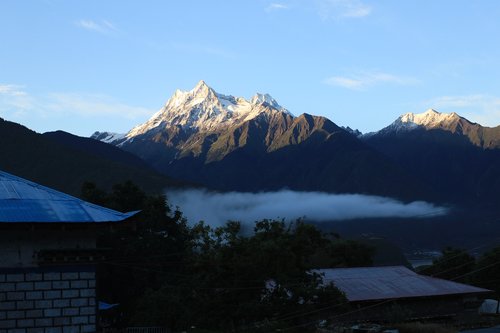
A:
378, 283
25, 201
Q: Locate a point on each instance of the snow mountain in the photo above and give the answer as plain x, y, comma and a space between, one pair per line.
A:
429, 119
200, 110
458, 158
432, 120
231, 143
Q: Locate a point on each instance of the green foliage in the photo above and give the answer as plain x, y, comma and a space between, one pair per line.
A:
349, 253
488, 271
141, 258
232, 281
91, 193
453, 264
458, 265
166, 273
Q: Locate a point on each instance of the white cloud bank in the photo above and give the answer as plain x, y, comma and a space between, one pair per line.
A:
16, 103
50, 111
103, 26
14, 99
92, 105
217, 208
276, 6
363, 80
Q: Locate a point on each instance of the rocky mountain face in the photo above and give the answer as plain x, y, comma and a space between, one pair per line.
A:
480, 136
231, 143
458, 158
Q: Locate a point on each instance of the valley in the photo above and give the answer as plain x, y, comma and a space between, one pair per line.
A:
237, 147
227, 143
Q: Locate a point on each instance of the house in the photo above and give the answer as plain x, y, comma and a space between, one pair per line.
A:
47, 258
380, 293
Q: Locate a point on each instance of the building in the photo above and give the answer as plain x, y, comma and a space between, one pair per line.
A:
396, 292
47, 258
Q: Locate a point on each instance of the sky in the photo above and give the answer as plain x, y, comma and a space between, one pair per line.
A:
82, 66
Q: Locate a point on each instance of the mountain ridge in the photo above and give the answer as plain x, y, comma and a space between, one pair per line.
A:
200, 109
481, 136
64, 161
258, 145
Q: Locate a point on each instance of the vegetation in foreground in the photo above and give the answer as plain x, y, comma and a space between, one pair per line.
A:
460, 266
167, 273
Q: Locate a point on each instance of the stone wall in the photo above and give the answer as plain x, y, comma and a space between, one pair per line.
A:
48, 300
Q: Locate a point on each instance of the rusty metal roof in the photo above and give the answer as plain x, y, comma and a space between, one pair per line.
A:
25, 201
392, 282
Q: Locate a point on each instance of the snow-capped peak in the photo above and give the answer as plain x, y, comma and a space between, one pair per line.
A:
428, 119
202, 89
204, 109
259, 98
107, 137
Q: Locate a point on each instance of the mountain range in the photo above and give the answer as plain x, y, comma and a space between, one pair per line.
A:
231, 143
458, 158
480, 136
201, 137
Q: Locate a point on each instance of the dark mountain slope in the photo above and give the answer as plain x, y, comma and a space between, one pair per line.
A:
310, 153
231, 143
96, 148
448, 161
64, 166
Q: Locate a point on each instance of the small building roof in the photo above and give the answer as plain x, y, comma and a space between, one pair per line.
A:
392, 282
25, 201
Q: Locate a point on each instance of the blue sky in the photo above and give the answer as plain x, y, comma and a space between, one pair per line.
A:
82, 66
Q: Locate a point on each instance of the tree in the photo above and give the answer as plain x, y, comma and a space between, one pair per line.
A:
254, 283
487, 271
169, 274
143, 258
453, 264
91, 193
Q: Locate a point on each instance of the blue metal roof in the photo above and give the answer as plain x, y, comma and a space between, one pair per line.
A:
25, 201
392, 282
103, 306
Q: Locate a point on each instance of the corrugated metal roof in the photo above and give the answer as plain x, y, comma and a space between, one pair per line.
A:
25, 201
378, 283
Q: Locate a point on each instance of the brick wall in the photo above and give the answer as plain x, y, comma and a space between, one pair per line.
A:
42, 301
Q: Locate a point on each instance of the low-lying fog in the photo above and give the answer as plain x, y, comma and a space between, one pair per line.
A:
217, 208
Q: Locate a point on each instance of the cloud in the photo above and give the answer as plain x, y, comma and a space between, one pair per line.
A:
481, 108
342, 9
103, 26
12, 90
217, 208
276, 6
93, 105
362, 80
17, 104
464, 101
14, 101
